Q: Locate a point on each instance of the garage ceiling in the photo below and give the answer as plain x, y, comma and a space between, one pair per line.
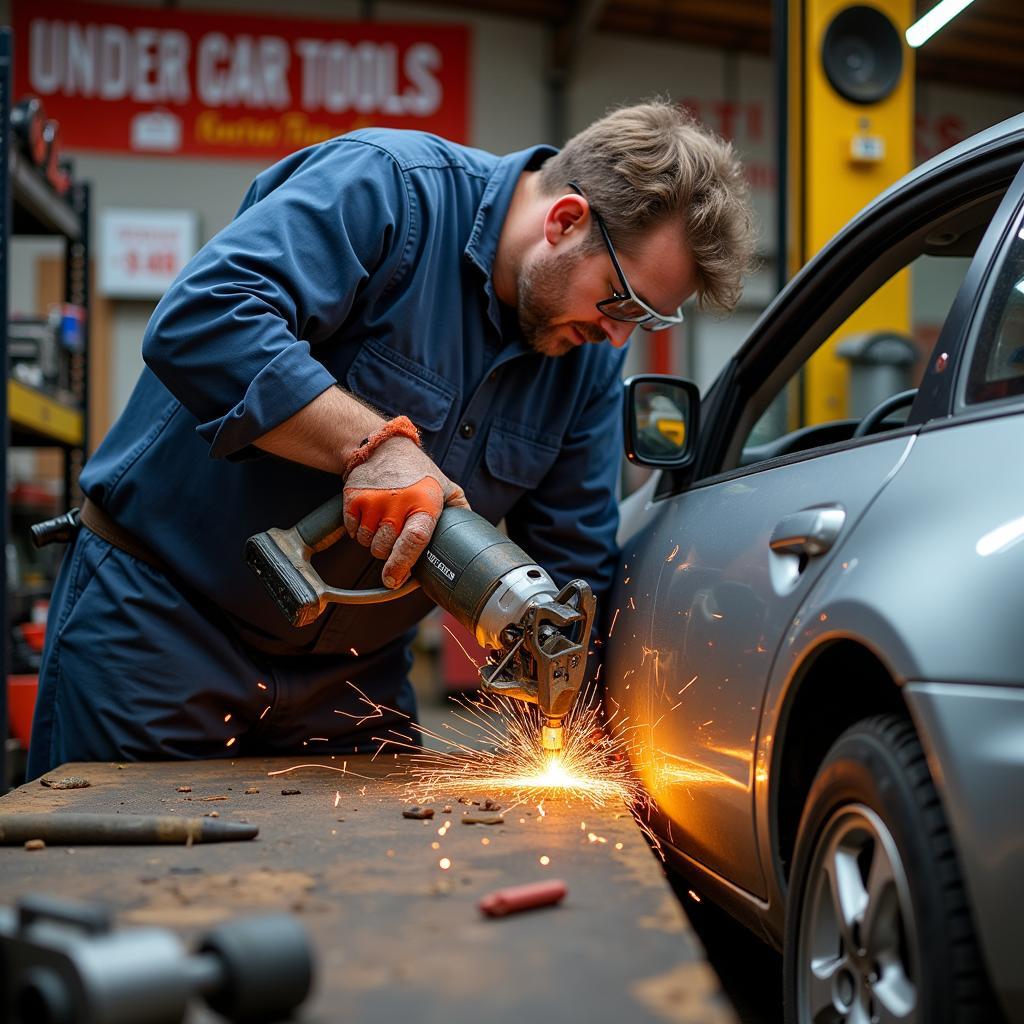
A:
982, 47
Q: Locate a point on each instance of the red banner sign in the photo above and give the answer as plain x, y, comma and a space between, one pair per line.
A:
173, 82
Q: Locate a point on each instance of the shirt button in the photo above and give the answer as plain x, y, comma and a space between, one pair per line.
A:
467, 430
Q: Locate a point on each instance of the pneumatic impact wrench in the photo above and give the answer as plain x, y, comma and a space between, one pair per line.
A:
538, 633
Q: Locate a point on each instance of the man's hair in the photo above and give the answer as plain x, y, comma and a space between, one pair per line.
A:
642, 165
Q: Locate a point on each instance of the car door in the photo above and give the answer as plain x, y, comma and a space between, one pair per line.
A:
715, 567
706, 600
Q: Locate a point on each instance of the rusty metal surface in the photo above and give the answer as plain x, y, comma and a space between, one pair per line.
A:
395, 937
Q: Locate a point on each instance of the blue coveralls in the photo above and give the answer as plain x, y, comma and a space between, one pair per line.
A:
365, 261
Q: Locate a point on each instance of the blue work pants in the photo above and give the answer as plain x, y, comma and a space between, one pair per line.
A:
134, 669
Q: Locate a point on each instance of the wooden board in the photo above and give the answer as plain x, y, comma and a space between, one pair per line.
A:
396, 938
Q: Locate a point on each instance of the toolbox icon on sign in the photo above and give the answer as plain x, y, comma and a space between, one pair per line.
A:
156, 130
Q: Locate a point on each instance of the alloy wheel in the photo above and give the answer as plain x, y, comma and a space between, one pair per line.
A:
858, 949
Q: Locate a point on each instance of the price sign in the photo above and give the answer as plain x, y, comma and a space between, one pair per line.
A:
142, 251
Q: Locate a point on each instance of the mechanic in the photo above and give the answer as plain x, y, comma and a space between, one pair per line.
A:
375, 281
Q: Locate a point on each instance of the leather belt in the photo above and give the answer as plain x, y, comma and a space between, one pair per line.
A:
94, 518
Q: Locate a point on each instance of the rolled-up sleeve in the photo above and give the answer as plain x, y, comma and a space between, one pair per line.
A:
568, 524
234, 338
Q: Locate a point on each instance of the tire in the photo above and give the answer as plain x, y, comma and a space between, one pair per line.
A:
893, 941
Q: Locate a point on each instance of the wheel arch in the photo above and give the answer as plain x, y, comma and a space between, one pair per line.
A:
839, 682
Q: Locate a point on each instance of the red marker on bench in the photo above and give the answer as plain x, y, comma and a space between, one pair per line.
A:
523, 897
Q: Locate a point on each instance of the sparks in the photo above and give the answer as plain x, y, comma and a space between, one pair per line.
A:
262, 686
230, 742
459, 642
329, 767
376, 710
444, 863
545, 860
689, 684
589, 768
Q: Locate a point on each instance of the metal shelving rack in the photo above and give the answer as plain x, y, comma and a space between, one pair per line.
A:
28, 206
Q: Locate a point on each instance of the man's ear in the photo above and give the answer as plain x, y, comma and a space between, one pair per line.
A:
566, 217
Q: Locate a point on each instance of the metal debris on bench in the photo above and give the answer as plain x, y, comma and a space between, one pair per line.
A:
418, 812
67, 782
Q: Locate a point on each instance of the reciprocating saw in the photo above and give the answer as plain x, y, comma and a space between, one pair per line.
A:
537, 633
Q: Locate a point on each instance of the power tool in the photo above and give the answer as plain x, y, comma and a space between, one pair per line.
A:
537, 633
64, 962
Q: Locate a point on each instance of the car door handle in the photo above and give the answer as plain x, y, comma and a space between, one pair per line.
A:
811, 531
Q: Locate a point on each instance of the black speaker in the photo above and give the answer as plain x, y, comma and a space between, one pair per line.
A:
862, 54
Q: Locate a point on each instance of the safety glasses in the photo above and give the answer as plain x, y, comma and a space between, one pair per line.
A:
626, 305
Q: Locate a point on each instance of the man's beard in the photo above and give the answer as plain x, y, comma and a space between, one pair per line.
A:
540, 302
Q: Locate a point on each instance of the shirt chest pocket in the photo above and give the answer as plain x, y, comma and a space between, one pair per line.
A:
516, 459
398, 386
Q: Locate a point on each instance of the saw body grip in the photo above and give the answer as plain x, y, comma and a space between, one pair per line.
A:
323, 526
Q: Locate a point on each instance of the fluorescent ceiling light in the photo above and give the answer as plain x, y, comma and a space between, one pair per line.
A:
943, 12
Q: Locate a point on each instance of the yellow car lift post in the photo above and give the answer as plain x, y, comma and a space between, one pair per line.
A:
849, 117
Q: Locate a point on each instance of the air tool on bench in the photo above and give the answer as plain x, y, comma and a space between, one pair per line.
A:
537, 632
66, 963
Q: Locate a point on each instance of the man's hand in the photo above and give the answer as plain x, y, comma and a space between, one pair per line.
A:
392, 504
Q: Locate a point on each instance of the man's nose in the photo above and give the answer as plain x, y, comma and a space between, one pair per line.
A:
617, 331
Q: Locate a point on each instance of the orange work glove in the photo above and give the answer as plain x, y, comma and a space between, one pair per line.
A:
392, 501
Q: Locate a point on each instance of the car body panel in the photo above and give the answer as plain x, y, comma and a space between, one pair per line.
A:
697, 624
942, 602
949, 588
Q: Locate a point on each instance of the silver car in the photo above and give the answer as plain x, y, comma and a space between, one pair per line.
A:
816, 639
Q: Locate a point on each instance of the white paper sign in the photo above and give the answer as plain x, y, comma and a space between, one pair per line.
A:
142, 251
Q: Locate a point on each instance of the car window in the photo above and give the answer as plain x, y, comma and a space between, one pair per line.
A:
997, 363
877, 364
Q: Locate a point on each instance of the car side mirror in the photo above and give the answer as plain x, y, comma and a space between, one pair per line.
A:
661, 416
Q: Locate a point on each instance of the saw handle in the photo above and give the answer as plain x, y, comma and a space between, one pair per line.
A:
322, 528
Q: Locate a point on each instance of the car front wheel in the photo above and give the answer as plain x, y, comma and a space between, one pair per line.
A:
877, 924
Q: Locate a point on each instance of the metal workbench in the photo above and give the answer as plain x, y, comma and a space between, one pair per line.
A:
396, 937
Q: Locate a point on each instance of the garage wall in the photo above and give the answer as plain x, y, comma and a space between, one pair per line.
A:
508, 108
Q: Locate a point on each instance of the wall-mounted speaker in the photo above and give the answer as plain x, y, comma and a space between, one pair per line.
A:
862, 54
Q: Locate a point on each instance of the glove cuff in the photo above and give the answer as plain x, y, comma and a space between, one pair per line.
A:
400, 426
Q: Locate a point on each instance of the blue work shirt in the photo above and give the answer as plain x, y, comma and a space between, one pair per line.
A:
365, 261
